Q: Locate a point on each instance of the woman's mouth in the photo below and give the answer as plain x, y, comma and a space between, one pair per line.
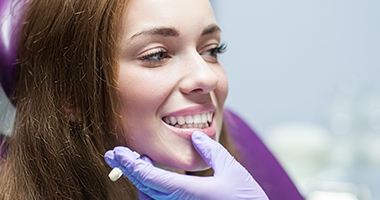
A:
199, 121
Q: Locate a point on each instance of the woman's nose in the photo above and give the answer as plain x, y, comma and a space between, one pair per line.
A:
199, 76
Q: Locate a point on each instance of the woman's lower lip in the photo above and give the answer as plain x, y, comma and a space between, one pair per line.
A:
187, 132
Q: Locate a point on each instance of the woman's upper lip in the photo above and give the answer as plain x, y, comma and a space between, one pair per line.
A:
192, 110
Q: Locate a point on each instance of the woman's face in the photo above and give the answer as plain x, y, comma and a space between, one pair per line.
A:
170, 82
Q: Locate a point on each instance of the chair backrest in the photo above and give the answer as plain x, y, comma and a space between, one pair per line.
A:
259, 161
9, 36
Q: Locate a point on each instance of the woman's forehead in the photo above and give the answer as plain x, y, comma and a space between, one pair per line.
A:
181, 15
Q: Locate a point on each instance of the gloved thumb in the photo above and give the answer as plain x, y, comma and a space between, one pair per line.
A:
215, 155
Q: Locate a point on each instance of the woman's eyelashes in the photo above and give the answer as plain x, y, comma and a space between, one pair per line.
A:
217, 50
159, 56
155, 55
211, 55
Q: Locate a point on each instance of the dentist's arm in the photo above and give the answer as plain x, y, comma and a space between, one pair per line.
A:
230, 181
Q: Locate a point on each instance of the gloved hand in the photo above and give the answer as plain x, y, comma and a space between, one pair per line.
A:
230, 181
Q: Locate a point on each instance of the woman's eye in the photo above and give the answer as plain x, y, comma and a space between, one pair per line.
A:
155, 55
213, 52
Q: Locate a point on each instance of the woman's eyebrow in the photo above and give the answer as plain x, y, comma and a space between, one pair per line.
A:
172, 32
210, 29
163, 31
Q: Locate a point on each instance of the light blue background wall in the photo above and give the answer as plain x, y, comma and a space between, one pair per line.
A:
305, 74
286, 59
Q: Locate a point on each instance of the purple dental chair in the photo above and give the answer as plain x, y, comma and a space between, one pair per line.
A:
255, 156
259, 161
8, 42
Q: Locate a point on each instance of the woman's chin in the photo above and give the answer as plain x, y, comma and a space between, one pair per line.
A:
181, 166
200, 166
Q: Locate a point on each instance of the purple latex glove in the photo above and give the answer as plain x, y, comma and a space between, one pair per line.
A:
230, 181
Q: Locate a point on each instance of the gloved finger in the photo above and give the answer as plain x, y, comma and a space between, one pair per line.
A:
147, 188
125, 157
152, 194
111, 160
144, 192
161, 184
141, 172
213, 153
109, 157
143, 196
146, 159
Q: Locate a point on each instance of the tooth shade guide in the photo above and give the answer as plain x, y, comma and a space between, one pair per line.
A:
115, 174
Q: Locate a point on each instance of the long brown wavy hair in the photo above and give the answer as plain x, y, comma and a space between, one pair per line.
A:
66, 104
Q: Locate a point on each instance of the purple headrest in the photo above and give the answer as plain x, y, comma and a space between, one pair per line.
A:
259, 161
9, 36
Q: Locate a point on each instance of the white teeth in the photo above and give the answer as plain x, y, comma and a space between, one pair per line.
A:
209, 117
189, 119
196, 121
181, 120
167, 120
204, 118
173, 120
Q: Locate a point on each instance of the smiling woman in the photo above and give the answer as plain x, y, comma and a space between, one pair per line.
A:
92, 75
174, 55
